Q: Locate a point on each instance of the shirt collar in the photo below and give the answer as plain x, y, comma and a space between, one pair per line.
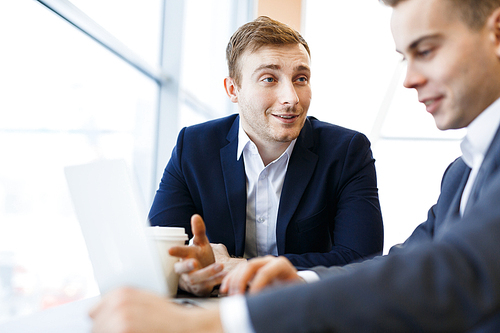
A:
480, 133
244, 142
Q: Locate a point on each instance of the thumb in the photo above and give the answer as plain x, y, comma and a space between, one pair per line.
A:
198, 228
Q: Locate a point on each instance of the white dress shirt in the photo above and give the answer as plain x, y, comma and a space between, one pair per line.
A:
234, 311
264, 184
474, 146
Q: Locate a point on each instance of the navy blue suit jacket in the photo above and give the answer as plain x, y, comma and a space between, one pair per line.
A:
444, 278
329, 212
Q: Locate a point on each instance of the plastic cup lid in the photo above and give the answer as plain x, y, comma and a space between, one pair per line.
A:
168, 232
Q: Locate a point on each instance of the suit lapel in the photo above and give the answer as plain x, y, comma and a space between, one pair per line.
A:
490, 163
461, 177
448, 207
235, 183
300, 170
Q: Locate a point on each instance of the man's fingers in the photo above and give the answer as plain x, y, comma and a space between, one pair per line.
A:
104, 313
202, 253
259, 273
184, 251
206, 287
239, 278
186, 266
203, 281
109, 300
198, 228
205, 274
278, 270
203, 289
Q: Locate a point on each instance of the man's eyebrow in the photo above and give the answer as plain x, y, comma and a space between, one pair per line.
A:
415, 43
303, 68
277, 67
271, 66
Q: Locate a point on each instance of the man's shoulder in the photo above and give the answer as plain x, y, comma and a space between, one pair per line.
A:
323, 130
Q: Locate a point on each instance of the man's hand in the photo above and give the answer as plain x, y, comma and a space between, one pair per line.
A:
256, 274
131, 310
223, 257
198, 271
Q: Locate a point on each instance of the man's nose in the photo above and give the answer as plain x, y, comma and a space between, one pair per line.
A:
288, 94
414, 78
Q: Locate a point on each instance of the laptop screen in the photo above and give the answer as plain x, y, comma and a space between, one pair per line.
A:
113, 222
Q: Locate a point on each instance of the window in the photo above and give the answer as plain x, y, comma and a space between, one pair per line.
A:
83, 80
65, 100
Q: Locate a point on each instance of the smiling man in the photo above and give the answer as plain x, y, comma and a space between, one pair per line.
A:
446, 276
274, 73
270, 179
439, 52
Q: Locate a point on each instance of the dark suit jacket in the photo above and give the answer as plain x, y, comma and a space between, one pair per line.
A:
329, 211
444, 278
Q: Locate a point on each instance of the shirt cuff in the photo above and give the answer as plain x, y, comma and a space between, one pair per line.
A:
234, 315
309, 276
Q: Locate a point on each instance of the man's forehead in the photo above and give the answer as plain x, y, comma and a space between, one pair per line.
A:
413, 20
276, 57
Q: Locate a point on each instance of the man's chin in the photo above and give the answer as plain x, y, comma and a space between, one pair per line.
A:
441, 123
287, 138
446, 125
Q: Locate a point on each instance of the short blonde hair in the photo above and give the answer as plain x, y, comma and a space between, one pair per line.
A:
255, 34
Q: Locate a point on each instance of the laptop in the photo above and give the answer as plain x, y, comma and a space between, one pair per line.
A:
113, 223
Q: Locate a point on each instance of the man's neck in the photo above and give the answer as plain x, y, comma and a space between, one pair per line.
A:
270, 151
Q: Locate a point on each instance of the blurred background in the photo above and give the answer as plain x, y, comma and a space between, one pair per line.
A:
88, 79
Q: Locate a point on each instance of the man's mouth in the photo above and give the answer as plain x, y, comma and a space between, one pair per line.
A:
431, 104
288, 119
285, 116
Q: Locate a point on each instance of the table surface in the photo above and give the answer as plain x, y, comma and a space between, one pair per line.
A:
73, 317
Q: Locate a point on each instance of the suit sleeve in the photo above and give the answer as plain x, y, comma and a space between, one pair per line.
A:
444, 283
174, 191
356, 226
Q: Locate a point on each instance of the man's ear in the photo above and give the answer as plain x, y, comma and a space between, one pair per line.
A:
231, 89
493, 24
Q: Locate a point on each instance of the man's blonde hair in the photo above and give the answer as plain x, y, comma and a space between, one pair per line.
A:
255, 34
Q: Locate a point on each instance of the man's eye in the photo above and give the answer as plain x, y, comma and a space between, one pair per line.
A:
302, 79
268, 79
424, 53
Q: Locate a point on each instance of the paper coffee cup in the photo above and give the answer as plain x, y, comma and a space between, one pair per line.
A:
165, 238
